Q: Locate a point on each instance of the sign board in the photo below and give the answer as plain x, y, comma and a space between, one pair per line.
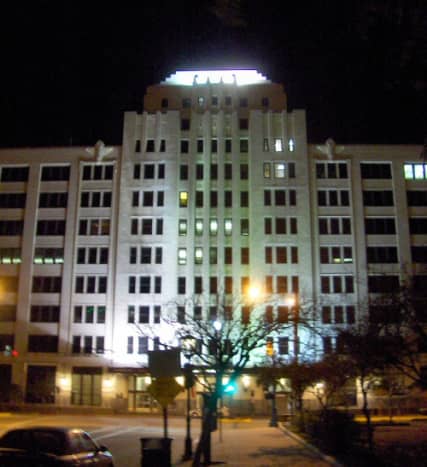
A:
162, 363
164, 390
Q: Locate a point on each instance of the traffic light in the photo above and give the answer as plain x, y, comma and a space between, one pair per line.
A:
229, 388
9, 351
269, 349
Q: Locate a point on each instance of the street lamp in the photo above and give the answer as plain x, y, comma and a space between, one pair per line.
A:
188, 344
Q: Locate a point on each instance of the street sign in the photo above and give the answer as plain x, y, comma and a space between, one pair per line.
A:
164, 390
163, 363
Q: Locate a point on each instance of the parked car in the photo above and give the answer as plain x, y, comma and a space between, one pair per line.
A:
51, 446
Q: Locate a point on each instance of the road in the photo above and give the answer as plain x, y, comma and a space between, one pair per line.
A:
238, 442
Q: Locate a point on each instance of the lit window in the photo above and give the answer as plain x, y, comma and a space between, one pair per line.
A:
213, 226
278, 146
266, 145
409, 171
419, 171
291, 145
201, 101
267, 170
228, 226
183, 199
199, 226
198, 255
182, 256
279, 170
182, 227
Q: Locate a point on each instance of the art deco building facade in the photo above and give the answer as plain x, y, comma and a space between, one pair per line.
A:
213, 190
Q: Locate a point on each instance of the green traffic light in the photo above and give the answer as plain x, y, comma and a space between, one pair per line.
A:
229, 388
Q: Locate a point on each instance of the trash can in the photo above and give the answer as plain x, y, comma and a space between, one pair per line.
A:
156, 452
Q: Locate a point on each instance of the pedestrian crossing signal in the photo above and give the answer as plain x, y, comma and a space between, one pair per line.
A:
269, 348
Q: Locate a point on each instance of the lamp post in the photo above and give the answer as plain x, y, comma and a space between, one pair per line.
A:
188, 345
273, 419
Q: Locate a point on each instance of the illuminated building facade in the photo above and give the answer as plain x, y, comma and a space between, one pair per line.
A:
214, 189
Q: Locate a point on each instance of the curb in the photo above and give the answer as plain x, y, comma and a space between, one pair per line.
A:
310, 447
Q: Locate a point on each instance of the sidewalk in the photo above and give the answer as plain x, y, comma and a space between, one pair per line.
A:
257, 444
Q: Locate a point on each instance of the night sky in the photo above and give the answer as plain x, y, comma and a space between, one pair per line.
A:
70, 70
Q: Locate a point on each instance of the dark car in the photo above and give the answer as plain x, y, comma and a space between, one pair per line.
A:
48, 446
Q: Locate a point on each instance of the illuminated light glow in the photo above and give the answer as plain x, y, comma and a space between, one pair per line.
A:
65, 382
217, 325
147, 380
291, 145
246, 380
239, 77
254, 292
108, 384
290, 300
180, 380
225, 380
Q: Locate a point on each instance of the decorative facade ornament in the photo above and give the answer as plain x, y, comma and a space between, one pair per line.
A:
330, 149
99, 151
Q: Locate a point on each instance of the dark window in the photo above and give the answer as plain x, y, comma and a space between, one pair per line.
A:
185, 146
181, 285
382, 226
244, 171
150, 145
417, 198
12, 200
12, 227
244, 199
14, 174
185, 124
375, 170
243, 124
149, 171
43, 343
55, 173
183, 172
53, 200
383, 284
214, 171
384, 254
378, 198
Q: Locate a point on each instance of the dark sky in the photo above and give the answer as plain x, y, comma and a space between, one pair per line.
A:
70, 69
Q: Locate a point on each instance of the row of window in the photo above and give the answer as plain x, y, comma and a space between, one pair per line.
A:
201, 101
214, 172
281, 255
88, 344
50, 173
89, 314
91, 284
95, 199
144, 314
148, 198
279, 197
145, 255
336, 284
92, 255
338, 314
199, 199
148, 171
213, 255
213, 227
146, 226
144, 284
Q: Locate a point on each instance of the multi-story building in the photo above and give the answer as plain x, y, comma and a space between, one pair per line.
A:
214, 188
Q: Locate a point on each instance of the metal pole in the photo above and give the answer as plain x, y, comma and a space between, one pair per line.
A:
188, 453
273, 421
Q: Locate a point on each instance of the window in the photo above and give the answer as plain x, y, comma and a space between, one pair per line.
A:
180, 314
198, 284
14, 174
228, 227
182, 227
53, 200
150, 145
244, 227
228, 146
417, 198
381, 254
131, 313
183, 199
48, 256
244, 145
95, 199
213, 226
10, 255
333, 198
243, 102
199, 146
214, 146
183, 172
383, 284
213, 285
291, 145
283, 345
228, 284
213, 255
419, 254
52, 173
336, 284
185, 123
198, 227
98, 171
94, 227
11, 227
228, 255
181, 285
336, 254
42, 343
381, 226
51, 227
93, 255
244, 171
44, 313
378, 198
12, 200
184, 146
44, 284
244, 199
244, 255
375, 170
138, 145
278, 145
91, 284
214, 171
265, 102
228, 171
415, 171
228, 199
334, 226
243, 123
182, 256
331, 170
